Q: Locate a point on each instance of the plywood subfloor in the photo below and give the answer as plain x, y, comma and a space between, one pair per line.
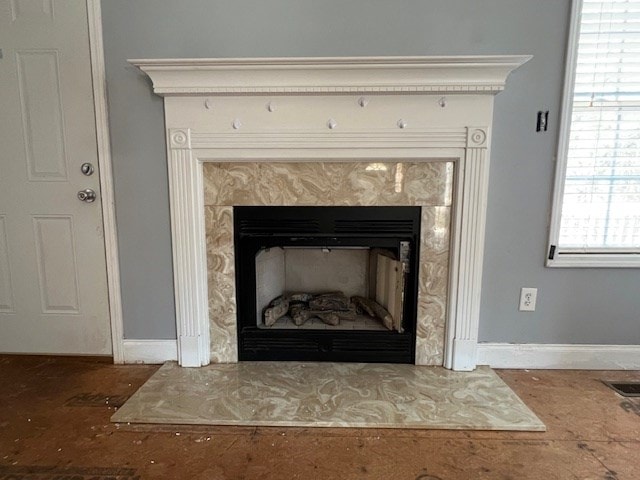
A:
355, 395
54, 423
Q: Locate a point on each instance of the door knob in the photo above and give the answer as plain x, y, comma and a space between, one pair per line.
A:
87, 195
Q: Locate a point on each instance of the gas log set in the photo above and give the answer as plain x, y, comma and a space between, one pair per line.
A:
331, 308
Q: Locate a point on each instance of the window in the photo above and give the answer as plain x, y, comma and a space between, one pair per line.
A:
596, 211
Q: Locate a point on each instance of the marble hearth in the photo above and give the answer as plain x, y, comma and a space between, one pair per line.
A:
329, 131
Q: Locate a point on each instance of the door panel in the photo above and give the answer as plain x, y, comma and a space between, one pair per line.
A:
41, 112
53, 290
6, 290
28, 9
56, 257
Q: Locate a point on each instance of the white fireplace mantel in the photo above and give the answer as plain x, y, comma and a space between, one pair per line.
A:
338, 109
343, 75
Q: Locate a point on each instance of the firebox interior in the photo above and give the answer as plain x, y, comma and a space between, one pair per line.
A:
367, 272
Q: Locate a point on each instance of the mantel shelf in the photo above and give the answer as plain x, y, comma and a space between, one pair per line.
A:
330, 76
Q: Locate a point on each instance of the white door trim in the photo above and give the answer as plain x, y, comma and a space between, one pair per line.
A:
106, 178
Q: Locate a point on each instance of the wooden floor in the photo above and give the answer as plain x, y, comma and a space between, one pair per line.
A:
54, 424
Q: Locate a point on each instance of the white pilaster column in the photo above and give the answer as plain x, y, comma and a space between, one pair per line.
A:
473, 200
186, 196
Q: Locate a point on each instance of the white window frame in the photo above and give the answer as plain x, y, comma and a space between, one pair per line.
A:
575, 257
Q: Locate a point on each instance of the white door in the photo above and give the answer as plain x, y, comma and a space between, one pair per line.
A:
53, 290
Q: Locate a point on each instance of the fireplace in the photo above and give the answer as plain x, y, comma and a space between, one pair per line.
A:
357, 132
327, 283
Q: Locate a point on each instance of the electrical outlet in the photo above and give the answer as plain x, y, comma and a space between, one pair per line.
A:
528, 297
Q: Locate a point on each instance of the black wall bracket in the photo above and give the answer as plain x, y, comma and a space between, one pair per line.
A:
543, 121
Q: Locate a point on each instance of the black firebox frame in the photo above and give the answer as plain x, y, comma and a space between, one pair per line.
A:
256, 228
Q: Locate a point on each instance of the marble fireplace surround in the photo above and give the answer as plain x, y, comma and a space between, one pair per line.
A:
246, 117
427, 184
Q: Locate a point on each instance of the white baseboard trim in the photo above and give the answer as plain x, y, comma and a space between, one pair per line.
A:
559, 356
149, 351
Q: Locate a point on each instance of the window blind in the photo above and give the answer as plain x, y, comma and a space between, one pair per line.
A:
601, 200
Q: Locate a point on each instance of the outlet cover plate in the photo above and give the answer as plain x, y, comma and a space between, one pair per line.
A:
528, 297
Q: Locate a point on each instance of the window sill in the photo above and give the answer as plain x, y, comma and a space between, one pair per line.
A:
594, 260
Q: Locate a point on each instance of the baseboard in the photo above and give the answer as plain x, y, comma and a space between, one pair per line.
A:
496, 355
149, 351
559, 356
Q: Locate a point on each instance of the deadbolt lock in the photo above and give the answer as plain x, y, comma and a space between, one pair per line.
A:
87, 169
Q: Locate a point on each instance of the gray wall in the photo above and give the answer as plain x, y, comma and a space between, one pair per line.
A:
574, 305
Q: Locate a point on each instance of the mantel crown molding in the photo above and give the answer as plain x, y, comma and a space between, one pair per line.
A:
485, 74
